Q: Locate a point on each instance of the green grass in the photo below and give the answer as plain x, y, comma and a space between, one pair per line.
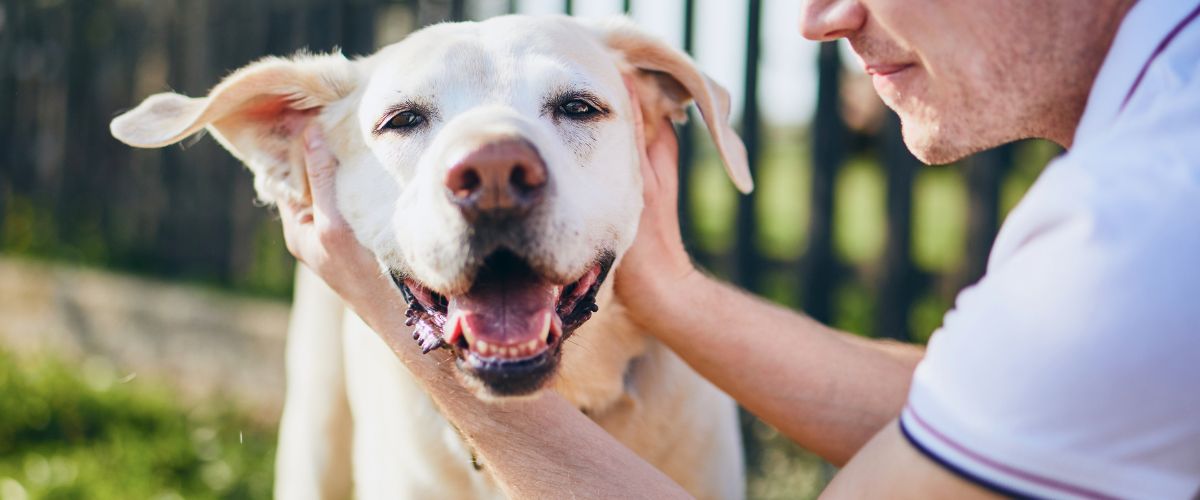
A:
79, 431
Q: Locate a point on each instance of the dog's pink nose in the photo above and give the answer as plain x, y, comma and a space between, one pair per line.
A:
504, 177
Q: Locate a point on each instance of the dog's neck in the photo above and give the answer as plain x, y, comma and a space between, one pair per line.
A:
598, 356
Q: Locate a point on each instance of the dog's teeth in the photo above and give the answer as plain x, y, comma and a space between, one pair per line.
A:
466, 329
531, 345
483, 347
546, 328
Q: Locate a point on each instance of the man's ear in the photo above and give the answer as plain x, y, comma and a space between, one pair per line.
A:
258, 113
667, 80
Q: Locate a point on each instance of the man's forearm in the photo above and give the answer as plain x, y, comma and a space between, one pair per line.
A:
535, 448
827, 390
545, 448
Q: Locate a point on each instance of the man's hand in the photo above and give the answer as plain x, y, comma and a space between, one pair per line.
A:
657, 262
826, 390
318, 236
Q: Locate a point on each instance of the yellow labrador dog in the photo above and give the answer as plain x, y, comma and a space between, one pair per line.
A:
492, 169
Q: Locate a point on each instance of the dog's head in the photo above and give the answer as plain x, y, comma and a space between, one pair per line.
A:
491, 167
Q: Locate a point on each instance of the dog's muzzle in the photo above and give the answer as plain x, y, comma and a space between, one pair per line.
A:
507, 330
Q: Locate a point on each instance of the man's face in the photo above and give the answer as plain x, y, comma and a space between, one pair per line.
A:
967, 75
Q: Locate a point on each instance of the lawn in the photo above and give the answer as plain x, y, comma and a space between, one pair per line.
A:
85, 431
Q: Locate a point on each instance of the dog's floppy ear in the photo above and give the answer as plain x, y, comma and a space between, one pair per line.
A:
668, 79
258, 113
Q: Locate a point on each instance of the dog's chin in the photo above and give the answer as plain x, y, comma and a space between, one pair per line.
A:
507, 329
493, 382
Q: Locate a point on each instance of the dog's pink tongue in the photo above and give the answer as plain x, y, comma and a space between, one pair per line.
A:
506, 315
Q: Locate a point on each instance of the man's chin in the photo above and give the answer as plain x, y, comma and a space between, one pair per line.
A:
932, 146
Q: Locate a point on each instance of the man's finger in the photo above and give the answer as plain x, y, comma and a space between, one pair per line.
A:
321, 167
649, 175
638, 123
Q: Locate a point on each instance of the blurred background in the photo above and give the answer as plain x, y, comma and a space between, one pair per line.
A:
144, 295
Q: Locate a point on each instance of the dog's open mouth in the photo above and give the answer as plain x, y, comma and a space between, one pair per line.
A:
508, 329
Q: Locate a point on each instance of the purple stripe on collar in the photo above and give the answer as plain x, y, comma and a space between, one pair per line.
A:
1162, 46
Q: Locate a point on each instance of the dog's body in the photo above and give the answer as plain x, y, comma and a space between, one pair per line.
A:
492, 169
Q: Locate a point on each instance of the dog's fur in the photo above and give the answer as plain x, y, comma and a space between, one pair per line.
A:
349, 400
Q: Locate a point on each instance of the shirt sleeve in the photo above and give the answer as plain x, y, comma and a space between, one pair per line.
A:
1072, 369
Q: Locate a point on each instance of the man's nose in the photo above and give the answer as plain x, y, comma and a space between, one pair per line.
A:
825, 20
501, 178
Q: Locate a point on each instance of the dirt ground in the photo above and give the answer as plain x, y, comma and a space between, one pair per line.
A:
201, 342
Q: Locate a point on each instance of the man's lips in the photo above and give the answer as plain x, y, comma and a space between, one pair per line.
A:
886, 69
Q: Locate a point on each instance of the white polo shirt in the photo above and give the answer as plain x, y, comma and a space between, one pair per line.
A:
1072, 369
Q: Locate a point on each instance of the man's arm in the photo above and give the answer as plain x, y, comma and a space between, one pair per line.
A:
890, 467
537, 448
826, 390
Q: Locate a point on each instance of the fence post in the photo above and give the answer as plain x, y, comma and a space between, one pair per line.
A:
458, 10
746, 259
8, 96
435, 11
687, 141
984, 173
829, 140
358, 27
897, 281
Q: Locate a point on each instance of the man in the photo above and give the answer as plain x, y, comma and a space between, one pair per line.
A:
1069, 370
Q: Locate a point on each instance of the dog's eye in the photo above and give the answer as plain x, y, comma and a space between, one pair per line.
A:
577, 108
404, 120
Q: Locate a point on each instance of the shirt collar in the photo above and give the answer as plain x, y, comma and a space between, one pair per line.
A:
1142, 30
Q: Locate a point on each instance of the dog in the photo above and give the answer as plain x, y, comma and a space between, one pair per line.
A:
492, 168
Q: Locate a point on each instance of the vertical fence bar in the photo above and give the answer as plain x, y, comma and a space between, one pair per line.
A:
687, 140
569, 7
8, 96
829, 139
458, 10
627, 7
983, 173
358, 27
898, 285
746, 258
432, 11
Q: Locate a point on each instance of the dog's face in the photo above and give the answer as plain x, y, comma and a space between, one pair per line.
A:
492, 168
